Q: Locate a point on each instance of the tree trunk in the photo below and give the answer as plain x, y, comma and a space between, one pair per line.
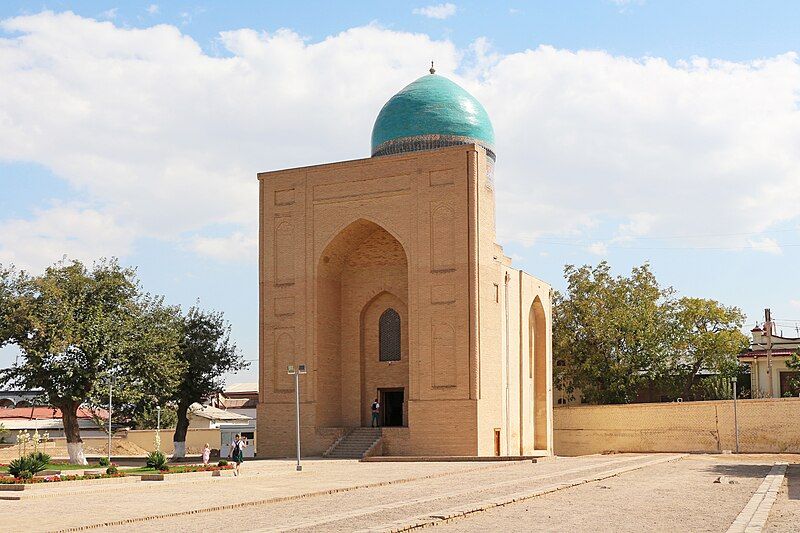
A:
182, 426
687, 390
69, 417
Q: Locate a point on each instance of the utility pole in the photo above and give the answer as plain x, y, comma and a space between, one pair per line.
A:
768, 327
110, 388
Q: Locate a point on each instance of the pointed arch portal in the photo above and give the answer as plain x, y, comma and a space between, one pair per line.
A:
538, 368
361, 326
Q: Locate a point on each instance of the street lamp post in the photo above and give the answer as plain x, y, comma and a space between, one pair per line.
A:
301, 369
110, 388
735, 414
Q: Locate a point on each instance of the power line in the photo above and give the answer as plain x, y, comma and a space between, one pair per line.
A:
662, 248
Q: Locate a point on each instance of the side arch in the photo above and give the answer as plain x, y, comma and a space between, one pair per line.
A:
537, 349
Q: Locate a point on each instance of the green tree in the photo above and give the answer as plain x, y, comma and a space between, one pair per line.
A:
141, 380
611, 334
793, 363
208, 353
77, 328
148, 418
708, 337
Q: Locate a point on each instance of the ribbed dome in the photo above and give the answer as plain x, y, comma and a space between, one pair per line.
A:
431, 112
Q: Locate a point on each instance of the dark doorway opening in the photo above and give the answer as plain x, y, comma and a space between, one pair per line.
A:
391, 407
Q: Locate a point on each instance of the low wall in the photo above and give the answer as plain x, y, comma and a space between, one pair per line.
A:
195, 439
769, 425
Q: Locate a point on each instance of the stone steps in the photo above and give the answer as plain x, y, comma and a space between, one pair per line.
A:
355, 444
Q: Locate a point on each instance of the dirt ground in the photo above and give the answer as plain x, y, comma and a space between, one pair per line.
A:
785, 514
675, 496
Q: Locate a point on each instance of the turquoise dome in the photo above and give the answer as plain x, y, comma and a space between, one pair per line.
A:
432, 112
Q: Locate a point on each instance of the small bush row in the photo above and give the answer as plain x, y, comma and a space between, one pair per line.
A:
55, 478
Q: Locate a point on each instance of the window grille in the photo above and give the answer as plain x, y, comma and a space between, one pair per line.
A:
389, 336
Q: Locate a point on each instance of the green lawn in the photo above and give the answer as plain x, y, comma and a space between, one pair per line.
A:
63, 466
139, 470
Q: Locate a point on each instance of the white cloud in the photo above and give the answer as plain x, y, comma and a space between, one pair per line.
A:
766, 244
235, 247
152, 9
795, 303
598, 248
438, 11
109, 14
165, 140
72, 230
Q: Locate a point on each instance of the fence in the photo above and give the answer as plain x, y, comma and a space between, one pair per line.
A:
769, 425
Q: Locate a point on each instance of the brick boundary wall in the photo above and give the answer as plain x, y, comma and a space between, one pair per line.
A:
765, 426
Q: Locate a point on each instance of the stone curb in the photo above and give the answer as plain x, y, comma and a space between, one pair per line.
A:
441, 517
755, 513
279, 499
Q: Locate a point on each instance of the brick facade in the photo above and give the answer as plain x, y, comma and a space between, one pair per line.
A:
340, 244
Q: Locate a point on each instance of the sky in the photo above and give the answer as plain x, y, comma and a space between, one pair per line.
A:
629, 131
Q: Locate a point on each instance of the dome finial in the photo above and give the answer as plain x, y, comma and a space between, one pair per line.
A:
432, 70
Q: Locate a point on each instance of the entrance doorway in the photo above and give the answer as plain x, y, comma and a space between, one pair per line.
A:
391, 407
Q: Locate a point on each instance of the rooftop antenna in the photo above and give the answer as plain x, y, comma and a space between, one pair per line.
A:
432, 70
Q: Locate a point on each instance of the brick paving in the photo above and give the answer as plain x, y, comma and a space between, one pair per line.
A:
623, 492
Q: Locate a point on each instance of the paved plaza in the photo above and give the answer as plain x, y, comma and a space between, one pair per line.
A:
624, 492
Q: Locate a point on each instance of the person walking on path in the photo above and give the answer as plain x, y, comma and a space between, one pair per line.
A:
376, 410
206, 454
237, 453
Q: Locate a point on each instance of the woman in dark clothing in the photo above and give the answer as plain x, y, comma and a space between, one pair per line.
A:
237, 452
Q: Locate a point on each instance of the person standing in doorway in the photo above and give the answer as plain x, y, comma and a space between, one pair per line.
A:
376, 411
237, 453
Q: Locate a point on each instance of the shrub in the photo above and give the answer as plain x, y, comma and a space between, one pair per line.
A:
112, 470
222, 462
104, 462
157, 460
30, 464
41, 457
24, 474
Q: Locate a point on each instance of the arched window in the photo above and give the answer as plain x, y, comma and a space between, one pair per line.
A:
389, 335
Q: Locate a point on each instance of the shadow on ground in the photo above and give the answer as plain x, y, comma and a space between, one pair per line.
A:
793, 482
740, 470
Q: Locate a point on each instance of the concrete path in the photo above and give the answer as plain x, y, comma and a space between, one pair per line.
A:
626, 492
402, 505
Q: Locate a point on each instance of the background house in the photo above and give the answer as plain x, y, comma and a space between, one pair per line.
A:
47, 419
228, 423
756, 356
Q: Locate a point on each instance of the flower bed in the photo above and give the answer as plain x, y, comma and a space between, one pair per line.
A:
196, 468
55, 479
184, 469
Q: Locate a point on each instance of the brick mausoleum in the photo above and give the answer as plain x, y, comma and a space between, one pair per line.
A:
384, 277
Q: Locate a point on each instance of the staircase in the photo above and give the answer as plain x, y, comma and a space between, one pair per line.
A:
355, 444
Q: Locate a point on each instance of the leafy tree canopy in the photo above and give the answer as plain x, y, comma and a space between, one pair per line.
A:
614, 335
708, 337
207, 353
611, 333
76, 326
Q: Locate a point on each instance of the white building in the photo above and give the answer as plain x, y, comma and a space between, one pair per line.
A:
229, 424
756, 356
